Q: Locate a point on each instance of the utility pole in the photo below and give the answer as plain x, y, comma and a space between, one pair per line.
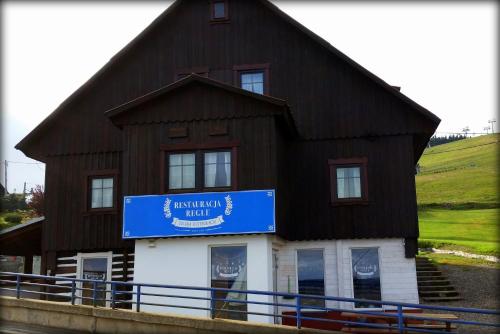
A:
5, 170
24, 191
492, 122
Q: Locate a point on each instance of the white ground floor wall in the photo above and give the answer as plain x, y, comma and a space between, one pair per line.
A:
186, 261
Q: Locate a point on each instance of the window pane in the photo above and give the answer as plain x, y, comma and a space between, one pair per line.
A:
175, 160
219, 10
258, 88
182, 171
210, 175
188, 159
310, 272
340, 189
366, 276
253, 82
107, 183
107, 198
229, 270
348, 182
188, 177
96, 183
218, 169
175, 178
96, 201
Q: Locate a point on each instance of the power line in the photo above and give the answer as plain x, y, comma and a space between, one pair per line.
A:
460, 149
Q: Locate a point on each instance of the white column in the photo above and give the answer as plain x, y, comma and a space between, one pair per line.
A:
259, 277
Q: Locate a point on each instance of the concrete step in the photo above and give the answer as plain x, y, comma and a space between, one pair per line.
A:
433, 281
429, 273
440, 299
426, 267
438, 294
426, 288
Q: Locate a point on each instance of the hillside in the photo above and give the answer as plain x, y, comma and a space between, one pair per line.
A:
458, 196
462, 172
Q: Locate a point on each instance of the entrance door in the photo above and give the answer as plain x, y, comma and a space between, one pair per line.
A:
229, 271
94, 267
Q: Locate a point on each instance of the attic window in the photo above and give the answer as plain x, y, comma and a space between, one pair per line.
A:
219, 10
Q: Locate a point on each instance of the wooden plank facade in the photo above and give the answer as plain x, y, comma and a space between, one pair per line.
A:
319, 105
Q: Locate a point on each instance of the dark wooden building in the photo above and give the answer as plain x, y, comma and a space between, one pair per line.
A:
294, 114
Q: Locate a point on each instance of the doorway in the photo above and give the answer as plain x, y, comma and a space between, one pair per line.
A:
94, 266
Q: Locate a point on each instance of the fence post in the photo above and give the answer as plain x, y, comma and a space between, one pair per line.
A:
138, 304
94, 293
299, 321
113, 288
400, 319
18, 286
73, 291
212, 303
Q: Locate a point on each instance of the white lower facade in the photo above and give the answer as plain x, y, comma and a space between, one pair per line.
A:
187, 261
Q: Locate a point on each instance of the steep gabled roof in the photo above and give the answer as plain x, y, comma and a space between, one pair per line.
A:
397, 93
115, 59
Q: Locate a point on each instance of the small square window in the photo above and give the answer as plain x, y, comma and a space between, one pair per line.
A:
348, 182
219, 10
252, 81
101, 193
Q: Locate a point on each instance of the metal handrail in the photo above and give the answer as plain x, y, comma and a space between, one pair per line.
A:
301, 312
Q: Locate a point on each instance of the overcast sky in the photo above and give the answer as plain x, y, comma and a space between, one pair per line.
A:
442, 54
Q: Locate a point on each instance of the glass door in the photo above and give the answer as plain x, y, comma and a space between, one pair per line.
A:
229, 271
94, 268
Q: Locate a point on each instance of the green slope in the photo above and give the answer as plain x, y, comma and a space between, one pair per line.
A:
461, 172
457, 193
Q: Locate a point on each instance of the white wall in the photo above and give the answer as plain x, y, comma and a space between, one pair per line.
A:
398, 274
185, 261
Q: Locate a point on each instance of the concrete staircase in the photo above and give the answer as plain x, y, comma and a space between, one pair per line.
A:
433, 286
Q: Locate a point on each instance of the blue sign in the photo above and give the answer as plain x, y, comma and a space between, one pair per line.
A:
236, 212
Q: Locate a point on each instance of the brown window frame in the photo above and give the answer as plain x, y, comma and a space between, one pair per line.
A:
100, 174
199, 150
252, 68
362, 163
223, 19
202, 71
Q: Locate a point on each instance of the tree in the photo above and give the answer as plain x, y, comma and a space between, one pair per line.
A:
37, 200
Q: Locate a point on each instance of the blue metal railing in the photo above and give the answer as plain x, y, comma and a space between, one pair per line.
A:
398, 319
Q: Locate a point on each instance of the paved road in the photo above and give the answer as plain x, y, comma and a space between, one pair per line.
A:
9, 327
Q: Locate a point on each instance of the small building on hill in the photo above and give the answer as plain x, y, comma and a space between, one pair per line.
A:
229, 146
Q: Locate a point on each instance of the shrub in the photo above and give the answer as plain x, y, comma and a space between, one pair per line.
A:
13, 217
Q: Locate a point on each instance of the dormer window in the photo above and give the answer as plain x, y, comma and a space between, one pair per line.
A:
219, 10
253, 78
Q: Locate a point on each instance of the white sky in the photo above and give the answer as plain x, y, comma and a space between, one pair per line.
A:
442, 54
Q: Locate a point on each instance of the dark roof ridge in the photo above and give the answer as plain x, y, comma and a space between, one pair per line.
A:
186, 81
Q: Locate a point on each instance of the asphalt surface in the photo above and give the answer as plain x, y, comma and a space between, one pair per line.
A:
9, 327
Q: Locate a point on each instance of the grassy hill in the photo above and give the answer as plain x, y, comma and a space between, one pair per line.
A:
457, 193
